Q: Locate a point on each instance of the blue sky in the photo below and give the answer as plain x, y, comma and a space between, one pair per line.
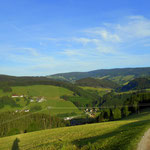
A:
43, 37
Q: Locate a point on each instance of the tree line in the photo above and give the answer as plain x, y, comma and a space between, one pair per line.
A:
15, 123
132, 103
5, 100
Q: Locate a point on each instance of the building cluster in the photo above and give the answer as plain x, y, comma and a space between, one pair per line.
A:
90, 111
25, 110
35, 99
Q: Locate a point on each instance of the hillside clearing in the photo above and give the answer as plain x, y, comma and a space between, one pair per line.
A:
101, 91
53, 104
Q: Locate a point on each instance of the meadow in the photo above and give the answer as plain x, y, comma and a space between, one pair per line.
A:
116, 135
53, 104
101, 91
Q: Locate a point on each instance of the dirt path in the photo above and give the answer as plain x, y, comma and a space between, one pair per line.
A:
145, 142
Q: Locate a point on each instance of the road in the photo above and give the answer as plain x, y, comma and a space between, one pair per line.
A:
145, 142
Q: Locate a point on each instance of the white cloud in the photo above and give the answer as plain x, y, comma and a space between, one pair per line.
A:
85, 41
133, 27
107, 46
73, 52
32, 51
104, 34
109, 36
137, 27
106, 49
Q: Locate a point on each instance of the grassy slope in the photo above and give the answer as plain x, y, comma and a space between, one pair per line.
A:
101, 91
115, 135
122, 79
52, 95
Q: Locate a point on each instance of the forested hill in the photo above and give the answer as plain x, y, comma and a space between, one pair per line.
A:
120, 75
136, 84
28, 80
92, 82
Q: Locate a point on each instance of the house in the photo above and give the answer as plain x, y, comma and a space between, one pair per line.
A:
15, 96
92, 115
68, 118
26, 110
31, 100
39, 100
86, 110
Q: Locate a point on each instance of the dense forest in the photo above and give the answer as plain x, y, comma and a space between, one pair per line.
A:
14, 123
136, 84
92, 82
118, 106
5, 100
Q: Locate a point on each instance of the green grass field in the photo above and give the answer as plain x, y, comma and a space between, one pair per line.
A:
50, 93
101, 91
122, 79
115, 135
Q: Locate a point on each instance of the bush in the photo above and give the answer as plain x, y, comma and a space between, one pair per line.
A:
125, 111
116, 113
7, 89
35, 108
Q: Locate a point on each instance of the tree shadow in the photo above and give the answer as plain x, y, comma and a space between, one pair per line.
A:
123, 136
15, 145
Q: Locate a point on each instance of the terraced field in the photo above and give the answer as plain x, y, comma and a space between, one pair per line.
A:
115, 135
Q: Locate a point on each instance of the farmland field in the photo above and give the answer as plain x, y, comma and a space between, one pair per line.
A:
51, 95
115, 135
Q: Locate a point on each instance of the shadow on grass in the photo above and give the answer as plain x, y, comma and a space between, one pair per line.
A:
142, 114
15, 145
121, 137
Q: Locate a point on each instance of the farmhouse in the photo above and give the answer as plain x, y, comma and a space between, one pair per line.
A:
41, 99
26, 110
31, 100
68, 118
15, 96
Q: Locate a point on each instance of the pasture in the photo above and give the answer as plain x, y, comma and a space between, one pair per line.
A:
53, 104
116, 135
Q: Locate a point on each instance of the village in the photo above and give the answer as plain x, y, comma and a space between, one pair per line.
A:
88, 111
31, 99
35, 99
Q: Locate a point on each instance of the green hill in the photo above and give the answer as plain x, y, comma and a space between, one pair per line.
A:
136, 84
101, 91
92, 82
52, 104
115, 135
119, 75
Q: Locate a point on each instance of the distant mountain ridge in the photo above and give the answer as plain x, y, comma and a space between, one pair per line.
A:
119, 75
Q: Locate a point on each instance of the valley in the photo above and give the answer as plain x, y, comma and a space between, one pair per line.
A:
42, 113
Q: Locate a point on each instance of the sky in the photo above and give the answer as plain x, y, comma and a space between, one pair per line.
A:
44, 37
